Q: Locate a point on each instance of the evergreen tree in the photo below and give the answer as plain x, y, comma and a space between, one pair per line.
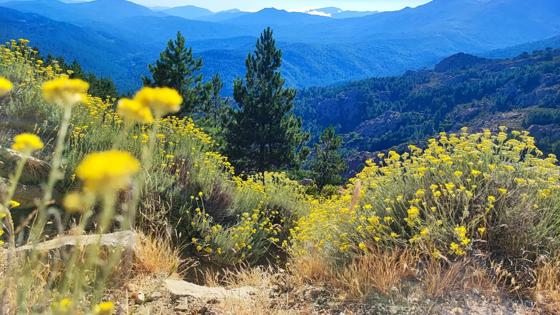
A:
328, 164
263, 133
178, 68
215, 112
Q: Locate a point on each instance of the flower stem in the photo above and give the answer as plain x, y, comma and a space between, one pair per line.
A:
55, 175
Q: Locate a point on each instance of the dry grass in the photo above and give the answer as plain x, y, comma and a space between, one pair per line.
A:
156, 255
381, 271
310, 269
547, 288
441, 278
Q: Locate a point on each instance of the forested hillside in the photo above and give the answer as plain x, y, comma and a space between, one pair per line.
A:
463, 90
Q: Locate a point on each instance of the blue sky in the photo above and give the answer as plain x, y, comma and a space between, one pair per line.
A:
293, 5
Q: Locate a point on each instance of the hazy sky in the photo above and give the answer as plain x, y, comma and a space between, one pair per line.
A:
292, 5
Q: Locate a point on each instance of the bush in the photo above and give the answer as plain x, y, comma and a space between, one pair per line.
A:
464, 195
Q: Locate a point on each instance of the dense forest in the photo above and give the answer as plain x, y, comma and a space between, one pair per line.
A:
462, 90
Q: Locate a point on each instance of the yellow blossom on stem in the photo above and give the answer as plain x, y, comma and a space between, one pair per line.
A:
5, 86
161, 100
105, 308
133, 111
64, 91
14, 204
362, 246
75, 202
27, 143
107, 171
62, 307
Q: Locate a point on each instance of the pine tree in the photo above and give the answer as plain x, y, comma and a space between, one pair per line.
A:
263, 133
215, 112
328, 164
178, 68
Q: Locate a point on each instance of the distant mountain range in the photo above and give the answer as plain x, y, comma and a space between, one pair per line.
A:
197, 13
320, 47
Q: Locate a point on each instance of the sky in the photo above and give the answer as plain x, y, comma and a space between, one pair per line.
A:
290, 5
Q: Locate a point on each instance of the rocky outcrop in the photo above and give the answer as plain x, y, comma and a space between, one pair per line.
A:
181, 289
35, 172
125, 240
26, 195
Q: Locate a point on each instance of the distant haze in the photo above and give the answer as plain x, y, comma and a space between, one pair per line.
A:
291, 5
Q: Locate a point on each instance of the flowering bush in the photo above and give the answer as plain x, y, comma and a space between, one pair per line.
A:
464, 194
182, 162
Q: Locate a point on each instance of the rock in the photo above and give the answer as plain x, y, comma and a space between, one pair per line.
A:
124, 239
35, 171
27, 195
138, 297
181, 289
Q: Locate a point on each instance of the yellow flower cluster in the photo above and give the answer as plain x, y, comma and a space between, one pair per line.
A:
161, 100
5, 86
134, 111
27, 143
440, 197
105, 308
64, 91
107, 171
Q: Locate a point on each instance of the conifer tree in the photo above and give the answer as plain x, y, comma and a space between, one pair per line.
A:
178, 68
263, 133
214, 114
328, 164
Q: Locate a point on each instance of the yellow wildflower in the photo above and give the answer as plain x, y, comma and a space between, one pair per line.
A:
13, 204
26, 143
133, 111
64, 91
62, 307
456, 249
413, 212
161, 100
75, 202
362, 246
107, 171
5, 86
105, 308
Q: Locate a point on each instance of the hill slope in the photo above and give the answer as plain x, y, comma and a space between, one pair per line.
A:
377, 114
99, 51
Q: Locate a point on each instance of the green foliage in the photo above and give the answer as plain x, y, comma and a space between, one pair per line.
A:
177, 68
214, 114
328, 164
263, 133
